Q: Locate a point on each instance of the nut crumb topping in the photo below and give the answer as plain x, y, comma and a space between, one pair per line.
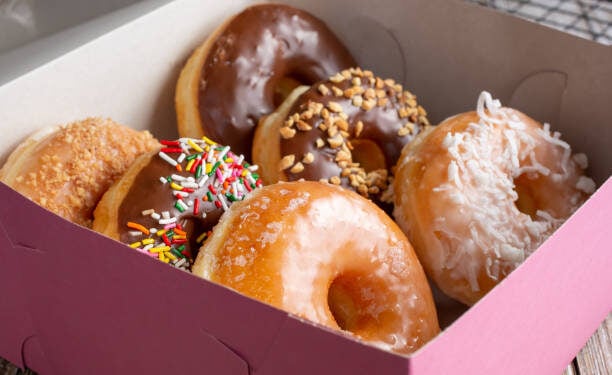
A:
287, 161
334, 107
75, 165
286, 132
323, 89
308, 158
303, 126
335, 180
335, 142
358, 91
297, 168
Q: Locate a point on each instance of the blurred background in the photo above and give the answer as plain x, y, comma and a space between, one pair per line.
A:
33, 32
590, 19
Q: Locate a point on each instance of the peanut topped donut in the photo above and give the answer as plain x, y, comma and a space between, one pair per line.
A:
242, 71
348, 130
480, 192
169, 200
67, 168
328, 255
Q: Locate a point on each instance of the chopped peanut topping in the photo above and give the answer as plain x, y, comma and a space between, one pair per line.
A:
358, 91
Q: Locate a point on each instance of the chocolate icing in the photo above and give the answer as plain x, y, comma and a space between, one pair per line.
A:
382, 124
148, 192
255, 51
183, 192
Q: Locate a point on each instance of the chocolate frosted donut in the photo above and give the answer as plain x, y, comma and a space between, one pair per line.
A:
168, 202
348, 130
243, 70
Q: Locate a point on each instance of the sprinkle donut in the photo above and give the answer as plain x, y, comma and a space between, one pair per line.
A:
479, 193
66, 169
167, 203
247, 67
348, 130
294, 245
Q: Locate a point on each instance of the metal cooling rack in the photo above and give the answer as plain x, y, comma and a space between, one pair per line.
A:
590, 19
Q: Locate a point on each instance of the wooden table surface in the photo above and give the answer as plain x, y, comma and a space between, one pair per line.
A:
596, 356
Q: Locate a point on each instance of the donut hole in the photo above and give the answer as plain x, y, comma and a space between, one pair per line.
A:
526, 201
368, 154
354, 301
284, 86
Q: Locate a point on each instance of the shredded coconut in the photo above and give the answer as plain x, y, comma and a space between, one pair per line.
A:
485, 159
453, 173
582, 160
586, 185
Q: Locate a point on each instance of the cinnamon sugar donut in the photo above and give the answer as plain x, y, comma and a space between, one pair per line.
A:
247, 67
328, 255
348, 130
66, 169
480, 192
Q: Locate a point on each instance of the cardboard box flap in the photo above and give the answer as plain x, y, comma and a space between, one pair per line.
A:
18, 334
549, 87
90, 295
34, 356
558, 296
300, 348
15, 325
83, 286
447, 52
128, 74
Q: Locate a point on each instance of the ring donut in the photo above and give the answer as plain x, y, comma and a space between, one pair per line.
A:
480, 192
170, 199
66, 169
348, 130
247, 66
328, 255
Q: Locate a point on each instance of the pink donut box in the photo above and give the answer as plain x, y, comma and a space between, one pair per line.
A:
74, 302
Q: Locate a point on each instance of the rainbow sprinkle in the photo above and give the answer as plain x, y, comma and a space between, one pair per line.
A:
204, 171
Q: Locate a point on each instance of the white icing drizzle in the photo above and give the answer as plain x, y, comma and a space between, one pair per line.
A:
485, 159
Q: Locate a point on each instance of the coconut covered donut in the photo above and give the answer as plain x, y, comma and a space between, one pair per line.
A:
348, 130
67, 168
479, 193
247, 67
328, 255
168, 202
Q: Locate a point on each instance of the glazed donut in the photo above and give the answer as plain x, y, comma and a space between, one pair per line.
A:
348, 130
245, 68
328, 255
167, 203
479, 193
67, 168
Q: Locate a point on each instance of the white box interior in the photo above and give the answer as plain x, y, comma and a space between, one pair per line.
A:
129, 74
